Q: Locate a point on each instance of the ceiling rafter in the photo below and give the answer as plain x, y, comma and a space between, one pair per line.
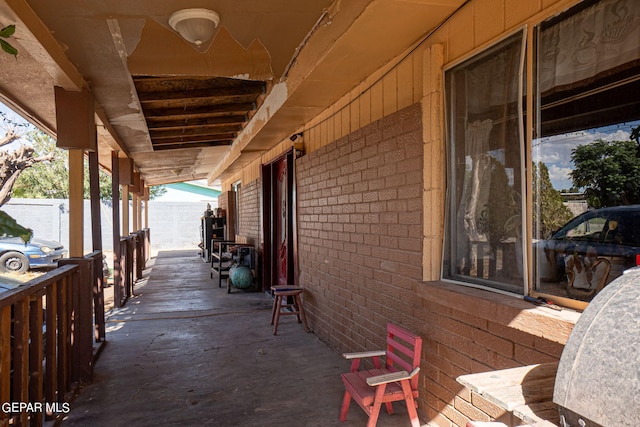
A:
196, 112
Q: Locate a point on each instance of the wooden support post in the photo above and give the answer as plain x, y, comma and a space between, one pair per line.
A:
82, 332
76, 203
36, 357
115, 220
94, 184
96, 236
51, 355
140, 207
20, 358
135, 205
5, 359
76, 132
125, 210
146, 207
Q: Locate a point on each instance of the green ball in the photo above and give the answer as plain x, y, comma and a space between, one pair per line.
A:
241, 277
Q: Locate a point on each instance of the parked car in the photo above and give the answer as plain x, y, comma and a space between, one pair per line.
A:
18, 257
591, 250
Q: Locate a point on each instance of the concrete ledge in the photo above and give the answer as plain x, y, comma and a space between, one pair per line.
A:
510, 311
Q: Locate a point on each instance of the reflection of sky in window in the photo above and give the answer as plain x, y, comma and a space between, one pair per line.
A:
555, 151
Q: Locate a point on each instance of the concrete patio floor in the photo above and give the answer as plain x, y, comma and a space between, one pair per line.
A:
184, 352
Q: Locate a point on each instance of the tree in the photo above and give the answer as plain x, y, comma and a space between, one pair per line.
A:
51, 180
635, 134
608, 171
549, 212
13, 163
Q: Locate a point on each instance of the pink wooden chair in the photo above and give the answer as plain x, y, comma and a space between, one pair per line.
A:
397, 380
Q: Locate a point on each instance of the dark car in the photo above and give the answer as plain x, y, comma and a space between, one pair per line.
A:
17, 256
591, 250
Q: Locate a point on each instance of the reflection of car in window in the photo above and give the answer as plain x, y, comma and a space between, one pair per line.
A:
590, 250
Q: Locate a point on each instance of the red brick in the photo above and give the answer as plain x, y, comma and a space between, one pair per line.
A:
457, 358
494, 343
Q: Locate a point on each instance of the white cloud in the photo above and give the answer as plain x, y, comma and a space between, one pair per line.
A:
555, 151
560, 177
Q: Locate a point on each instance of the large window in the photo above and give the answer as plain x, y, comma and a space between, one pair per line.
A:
580, 166
586, 163
484, 227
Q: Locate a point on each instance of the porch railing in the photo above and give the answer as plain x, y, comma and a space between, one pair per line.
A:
134, 254
47, 331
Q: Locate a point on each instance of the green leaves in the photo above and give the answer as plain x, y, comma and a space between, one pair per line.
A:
609, 172
8, 31
9, 227
5, 33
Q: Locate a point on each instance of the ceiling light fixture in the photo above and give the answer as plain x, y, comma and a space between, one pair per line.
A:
195, 25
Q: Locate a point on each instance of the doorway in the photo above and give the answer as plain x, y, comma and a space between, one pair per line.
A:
278, 198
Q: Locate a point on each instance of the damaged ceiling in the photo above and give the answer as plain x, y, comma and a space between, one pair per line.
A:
185, 112
196, 112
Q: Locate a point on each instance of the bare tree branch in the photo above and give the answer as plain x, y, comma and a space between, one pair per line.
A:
11, 166
9, 137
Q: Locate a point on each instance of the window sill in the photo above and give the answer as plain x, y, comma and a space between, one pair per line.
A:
510, 311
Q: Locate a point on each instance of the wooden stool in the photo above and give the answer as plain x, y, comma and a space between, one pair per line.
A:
281, 305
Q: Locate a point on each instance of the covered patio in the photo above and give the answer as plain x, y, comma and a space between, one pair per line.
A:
183, 351
342, 136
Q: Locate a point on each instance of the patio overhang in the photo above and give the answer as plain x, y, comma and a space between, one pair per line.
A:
205, 110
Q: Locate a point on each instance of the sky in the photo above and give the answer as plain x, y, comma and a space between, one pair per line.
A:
555, 151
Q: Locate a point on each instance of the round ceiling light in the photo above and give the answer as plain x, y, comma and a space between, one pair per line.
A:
195, 25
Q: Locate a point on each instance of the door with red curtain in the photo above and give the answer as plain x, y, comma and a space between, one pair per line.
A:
278, 208
280, 222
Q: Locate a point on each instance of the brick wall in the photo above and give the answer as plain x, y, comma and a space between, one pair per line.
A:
469, 330
360, 228
360, 211
250, 227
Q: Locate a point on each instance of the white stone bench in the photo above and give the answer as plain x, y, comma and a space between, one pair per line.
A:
526, 391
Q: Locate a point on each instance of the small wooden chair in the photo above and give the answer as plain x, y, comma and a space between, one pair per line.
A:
281, 305
398, 380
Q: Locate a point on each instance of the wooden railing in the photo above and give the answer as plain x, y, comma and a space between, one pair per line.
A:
47, 331
134, 254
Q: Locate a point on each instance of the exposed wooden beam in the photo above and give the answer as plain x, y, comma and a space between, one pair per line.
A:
211, 110
190, 132
193, 145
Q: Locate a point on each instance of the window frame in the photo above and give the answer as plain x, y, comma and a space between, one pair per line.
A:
530, 103
524, 140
